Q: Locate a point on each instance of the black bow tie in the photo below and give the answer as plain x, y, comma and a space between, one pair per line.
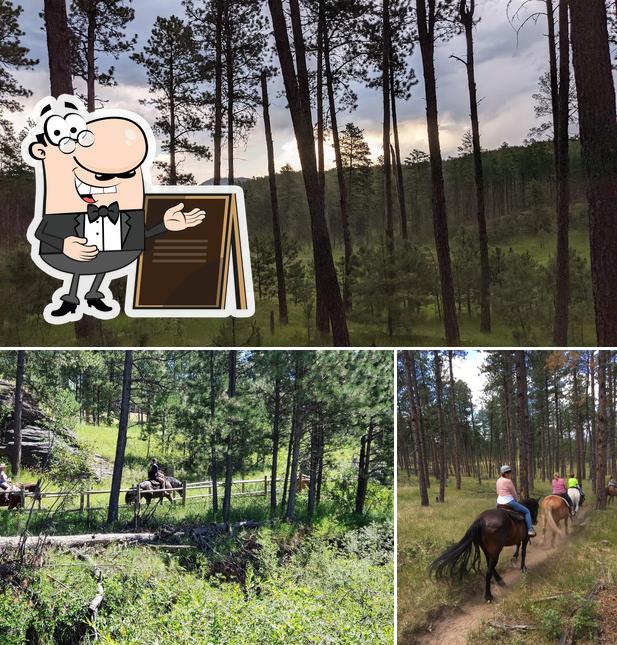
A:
112, 212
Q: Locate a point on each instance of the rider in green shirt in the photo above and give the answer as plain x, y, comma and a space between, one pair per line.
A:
572, 481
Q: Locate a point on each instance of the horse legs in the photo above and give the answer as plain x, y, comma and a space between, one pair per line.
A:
516, 551
523, 554
567, 524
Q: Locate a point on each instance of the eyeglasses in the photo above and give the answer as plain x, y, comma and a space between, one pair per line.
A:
85, 139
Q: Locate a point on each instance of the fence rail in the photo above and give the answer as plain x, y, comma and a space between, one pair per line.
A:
248, 488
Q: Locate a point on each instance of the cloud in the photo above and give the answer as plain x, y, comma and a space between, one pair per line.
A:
507, 70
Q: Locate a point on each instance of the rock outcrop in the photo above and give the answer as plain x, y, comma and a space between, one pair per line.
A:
40, 435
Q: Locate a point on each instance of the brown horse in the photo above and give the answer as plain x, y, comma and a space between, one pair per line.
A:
491, 531
554, 509
148, 492
611, 491
12, 499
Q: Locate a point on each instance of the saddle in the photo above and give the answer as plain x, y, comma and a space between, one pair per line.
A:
515, 515
155, 483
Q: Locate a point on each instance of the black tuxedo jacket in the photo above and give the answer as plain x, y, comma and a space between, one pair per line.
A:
53, 230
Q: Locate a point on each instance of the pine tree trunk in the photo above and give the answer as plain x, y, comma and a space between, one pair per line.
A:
526, 467
231, 392
553, 74
400, 184
296, 437
213, 440
364, 469
229, 67
510, 438
443, 473
19, 382
414, 422
426, 31
562, 265
387, 164
276, 227
173, 176
601, 433
454, 422
218, 92
91, 75
329, 305
123, 424
485, 269
598, 132
276, 434
59, 52
340, 175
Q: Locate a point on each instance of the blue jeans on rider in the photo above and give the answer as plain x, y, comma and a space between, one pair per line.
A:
522, 509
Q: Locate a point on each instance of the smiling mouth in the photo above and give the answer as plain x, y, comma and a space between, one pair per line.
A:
86, 192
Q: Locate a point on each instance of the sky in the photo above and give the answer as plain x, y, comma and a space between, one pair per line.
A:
508, 66
467, 368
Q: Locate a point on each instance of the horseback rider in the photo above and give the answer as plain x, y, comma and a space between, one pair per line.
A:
574, 483
507, 495
5, 482
558, 487
155, 474
612, 482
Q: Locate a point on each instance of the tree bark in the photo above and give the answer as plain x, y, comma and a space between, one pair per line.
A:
601, 433
526, 467
387, 163
329, 305
364, 469
123, 423
229, 68
276, 434
467, 16
562, 266
400, 184
426, 32
443, 473
19, 383
231, 392
218, 92
454, 422
415, 426
59, 52
340, 174
598, 132
90, 81
276, 226
296, 437
213, 440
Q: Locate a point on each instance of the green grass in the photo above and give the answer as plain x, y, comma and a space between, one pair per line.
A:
300, 587
421, 329
423, 532
590, 556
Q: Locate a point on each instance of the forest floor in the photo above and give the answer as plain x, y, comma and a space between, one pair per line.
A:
423, 328
547, 600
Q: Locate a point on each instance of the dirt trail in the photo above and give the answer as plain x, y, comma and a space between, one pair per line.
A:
452, 629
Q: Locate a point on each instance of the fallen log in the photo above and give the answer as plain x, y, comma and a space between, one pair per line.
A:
70, 541
509, 628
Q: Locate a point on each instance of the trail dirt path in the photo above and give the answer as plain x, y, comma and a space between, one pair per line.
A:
453, 627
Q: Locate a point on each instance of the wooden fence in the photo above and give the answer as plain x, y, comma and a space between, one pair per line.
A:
189, 492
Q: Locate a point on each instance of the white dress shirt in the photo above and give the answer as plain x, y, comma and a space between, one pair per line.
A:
103, 234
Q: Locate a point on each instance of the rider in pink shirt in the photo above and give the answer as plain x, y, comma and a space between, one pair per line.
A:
507, 495
558, 486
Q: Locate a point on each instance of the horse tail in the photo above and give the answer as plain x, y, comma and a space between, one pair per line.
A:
454, 562
548, 514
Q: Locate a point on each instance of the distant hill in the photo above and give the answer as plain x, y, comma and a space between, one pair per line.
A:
237, 180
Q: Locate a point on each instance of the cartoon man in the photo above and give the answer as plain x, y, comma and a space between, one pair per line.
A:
91, 167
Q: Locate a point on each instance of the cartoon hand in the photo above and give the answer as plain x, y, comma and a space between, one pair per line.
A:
175, 220
76, 249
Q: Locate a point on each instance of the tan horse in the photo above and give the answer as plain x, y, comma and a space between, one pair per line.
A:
554, 509
611, 491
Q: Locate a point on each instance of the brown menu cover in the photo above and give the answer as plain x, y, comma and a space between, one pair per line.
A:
189, 269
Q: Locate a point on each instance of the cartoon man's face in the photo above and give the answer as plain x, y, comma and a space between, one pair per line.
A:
98, 162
